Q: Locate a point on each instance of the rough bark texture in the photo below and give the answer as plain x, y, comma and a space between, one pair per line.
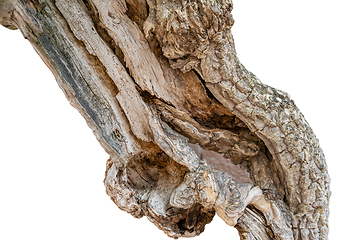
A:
152, 79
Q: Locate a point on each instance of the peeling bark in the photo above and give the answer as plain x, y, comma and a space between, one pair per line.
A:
152, 78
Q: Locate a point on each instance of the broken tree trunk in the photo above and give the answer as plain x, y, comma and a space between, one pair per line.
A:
157, 80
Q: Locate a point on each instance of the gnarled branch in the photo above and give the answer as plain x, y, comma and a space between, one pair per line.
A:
151, 77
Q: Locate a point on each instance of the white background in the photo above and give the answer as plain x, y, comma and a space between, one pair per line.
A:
52, 167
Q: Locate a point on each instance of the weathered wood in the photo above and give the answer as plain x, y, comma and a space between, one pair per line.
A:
152, 76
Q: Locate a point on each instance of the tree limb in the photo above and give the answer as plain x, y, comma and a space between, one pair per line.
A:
151, 76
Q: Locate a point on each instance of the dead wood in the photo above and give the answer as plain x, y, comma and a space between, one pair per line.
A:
159, 84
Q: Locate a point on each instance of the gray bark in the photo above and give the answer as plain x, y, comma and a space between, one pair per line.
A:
152, 78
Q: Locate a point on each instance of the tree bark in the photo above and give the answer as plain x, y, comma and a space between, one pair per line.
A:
159, 83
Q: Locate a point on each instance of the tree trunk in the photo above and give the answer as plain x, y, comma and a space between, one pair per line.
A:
161, 87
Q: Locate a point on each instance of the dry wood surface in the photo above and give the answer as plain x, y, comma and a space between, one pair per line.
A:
160, 85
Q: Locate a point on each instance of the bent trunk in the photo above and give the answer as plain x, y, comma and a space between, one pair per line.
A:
157, 80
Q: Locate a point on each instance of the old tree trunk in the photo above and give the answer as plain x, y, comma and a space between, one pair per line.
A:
160, 85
